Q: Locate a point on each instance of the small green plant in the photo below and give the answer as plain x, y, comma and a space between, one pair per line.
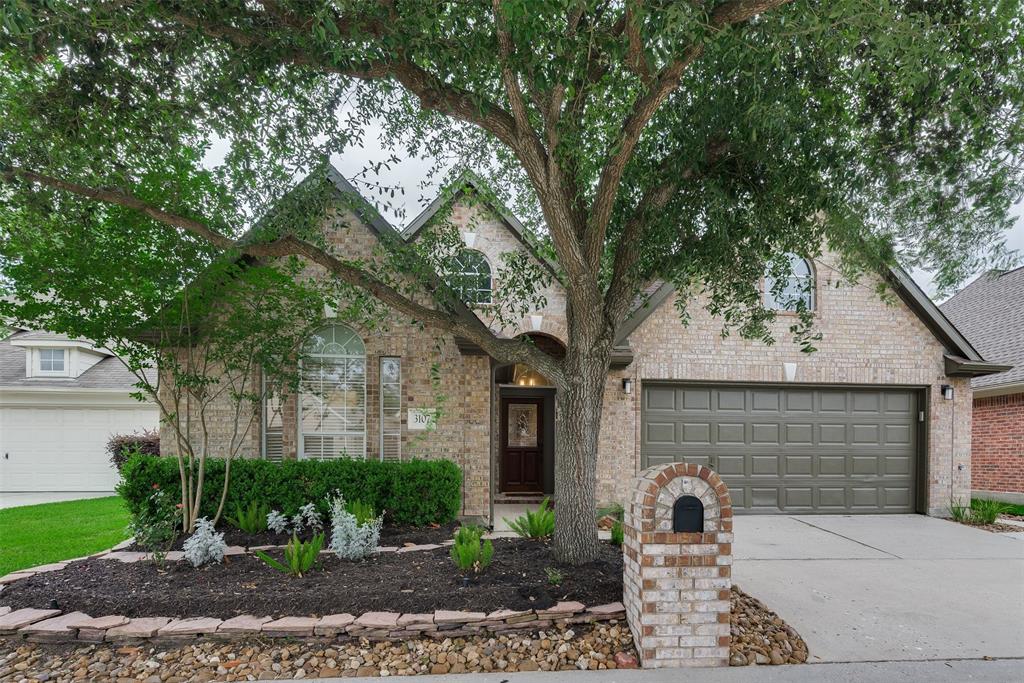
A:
617, 533
959, 511
251, 519
554, 575
299, 556
155, 526
363, 512
987, 511
538, 524
470, 550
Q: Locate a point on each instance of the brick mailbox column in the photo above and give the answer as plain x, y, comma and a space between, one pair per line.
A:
677, 566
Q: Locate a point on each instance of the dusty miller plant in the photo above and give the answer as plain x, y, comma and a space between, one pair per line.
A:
277, 522
205, 545
307, 518
351, 540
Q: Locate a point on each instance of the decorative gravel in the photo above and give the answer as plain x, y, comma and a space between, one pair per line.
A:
601, 647
760, 636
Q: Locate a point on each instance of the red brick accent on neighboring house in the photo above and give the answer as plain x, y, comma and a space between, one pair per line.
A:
997, 438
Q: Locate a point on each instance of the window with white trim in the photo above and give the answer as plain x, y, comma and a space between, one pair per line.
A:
796, 291
332, 395
471, 277
390, 408
53, 362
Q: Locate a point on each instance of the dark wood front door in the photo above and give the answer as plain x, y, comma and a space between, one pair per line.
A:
522, 447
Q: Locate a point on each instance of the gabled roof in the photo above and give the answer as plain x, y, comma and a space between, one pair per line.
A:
108, 373
990, 311
962, 359
468, 179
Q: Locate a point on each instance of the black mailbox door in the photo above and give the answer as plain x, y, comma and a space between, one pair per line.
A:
688, 515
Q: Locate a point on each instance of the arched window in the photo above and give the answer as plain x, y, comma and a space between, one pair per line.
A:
471, 277
332, 395
796, 292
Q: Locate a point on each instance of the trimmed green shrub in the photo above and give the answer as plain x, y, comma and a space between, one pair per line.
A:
417, 492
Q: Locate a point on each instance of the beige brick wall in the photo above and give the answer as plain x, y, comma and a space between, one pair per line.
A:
864, 341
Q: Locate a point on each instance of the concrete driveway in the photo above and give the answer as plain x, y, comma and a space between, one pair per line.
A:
866, 588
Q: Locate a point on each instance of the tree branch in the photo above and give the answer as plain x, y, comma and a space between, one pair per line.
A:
643, 109
462, 322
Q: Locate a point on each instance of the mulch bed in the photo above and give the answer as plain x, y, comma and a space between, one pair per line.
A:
389, 535
421, 581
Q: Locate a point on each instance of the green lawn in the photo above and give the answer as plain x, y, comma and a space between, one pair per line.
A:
40, 534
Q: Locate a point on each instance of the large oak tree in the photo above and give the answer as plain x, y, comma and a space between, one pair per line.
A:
694, 141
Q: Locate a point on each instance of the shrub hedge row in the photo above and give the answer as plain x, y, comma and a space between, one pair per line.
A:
417, 492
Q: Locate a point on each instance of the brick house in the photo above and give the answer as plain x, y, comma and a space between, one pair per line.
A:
875, 421
990, 312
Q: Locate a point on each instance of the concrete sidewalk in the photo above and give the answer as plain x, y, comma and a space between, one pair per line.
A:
886, 587
951, 671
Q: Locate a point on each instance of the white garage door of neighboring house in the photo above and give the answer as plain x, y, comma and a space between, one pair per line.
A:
63, 449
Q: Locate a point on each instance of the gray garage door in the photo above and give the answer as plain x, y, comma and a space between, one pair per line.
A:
790, 449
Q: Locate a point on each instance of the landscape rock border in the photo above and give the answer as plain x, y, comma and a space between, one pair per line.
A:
49, 625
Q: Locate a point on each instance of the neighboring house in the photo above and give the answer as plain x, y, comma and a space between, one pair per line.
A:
60, 400
990, 312
876, 421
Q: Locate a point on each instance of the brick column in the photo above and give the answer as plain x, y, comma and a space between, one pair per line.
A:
676, 586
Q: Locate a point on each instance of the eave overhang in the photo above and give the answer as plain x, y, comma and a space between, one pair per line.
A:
957, 366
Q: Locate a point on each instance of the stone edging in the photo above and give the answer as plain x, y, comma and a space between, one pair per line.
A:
49, 625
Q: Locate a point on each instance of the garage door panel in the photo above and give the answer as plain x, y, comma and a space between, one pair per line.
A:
832, 434
696, 433
731, 465
661, 398
897, 435
794, 449
731, 433
799, 434
764, 401
799, 402
696, 399
732, 400
799, 497
799, 465
764, 434
661, 432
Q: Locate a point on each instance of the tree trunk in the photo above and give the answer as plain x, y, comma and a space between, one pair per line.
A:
578, 403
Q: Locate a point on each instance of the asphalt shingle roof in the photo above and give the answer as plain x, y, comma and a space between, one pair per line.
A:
109, 373
990, 313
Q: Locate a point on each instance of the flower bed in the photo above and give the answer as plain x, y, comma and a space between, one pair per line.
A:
413, 582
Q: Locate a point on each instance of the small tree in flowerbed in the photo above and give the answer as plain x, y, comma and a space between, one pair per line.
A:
206, 340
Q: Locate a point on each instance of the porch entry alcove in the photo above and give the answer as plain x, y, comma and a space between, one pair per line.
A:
525, 413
